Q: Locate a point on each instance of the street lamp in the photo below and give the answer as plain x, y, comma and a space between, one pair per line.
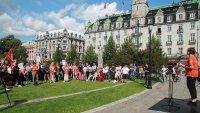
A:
138, 35
197, 41
149, 86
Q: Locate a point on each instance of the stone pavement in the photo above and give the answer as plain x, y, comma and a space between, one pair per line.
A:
153, 101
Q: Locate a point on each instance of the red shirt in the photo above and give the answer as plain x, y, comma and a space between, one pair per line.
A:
34, 70
192, 61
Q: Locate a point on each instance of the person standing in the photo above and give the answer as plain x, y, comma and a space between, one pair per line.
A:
125, 72
192, 75
66, 73
147, 74
34, 73
52, 73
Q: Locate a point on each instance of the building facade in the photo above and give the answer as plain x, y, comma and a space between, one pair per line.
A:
47, 43
30, 50
175, 25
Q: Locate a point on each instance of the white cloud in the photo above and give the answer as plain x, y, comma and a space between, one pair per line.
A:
71, 16
10, 26
91, 12
36, 24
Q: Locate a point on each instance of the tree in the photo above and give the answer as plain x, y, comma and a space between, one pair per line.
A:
109, 50
72, 55
126, 53
90, 55
58, 55
157, 57
19, 52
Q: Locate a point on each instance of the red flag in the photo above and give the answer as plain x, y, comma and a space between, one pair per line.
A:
9, 57
123, 2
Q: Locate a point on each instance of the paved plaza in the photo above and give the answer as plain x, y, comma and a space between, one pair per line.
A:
154, 101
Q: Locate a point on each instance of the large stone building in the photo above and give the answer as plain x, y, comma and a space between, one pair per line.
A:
175, 25
30, 50
47, 42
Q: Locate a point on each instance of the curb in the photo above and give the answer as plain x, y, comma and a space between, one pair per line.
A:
119, 101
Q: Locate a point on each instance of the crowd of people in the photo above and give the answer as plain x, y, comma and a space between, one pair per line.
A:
19, 74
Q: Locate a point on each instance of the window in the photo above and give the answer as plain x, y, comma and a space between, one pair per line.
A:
169, 18
64, 48
149, 21
180, 27
118, 40
180, 50
180, 16
125, 24
192, 25
169, 51
64, 41
192, 36
169, 38
89, 36
169, 28
159, 29
159, 19
119, 25
192, 15
180, 37
125, 32
159, 39
99, 35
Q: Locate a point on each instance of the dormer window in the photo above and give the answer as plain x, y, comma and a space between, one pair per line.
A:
125, 24
118, 25
192, 15
180, 16
149, 21
169, 18
159, 19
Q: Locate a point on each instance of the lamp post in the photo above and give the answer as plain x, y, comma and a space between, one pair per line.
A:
197, 41
58, 59
138, 35
149, 86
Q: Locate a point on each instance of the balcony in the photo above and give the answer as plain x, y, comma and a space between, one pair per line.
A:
192, 42
158, 32
168, 43
179, 30
179, 42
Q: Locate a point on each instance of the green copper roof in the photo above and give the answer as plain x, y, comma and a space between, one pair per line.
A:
88, 24
107, 21
176, 4
159, 13
181, 9
96, 23
120, 19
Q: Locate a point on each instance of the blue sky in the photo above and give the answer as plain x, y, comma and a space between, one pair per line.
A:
25, 18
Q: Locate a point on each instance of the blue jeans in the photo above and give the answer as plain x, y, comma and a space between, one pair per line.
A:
60, 75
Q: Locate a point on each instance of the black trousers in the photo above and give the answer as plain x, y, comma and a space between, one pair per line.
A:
191, 82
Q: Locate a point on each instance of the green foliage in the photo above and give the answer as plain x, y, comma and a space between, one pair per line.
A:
157, 56
72, 55
58, 55
109, 50
126, 53
90, 55
19, 52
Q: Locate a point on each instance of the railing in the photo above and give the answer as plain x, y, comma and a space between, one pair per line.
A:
168, 43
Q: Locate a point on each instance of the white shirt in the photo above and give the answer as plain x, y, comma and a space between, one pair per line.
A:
125, 70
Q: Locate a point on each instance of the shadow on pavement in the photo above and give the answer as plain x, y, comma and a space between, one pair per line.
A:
178, 106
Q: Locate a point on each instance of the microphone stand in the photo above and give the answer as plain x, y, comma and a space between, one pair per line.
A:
170, 103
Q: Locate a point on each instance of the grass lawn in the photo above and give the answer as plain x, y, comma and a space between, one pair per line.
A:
79, 103
46, 90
